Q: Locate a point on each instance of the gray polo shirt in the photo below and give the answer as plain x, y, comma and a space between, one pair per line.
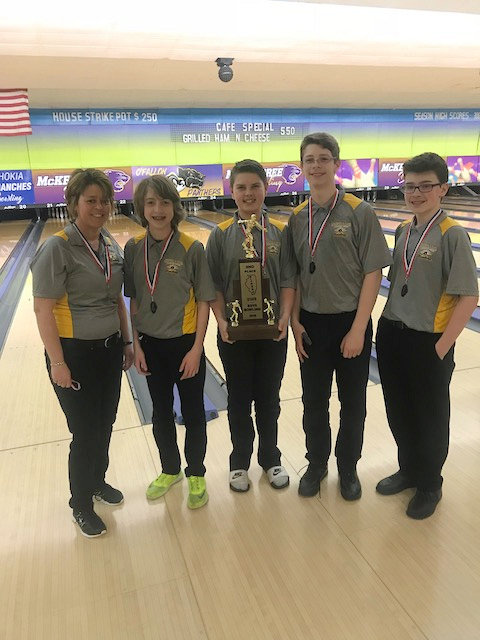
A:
224, 249
443, 270
352, 244
183, 279
64, 270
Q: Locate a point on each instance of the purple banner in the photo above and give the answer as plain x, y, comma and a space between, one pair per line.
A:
122, 183
463, 170
283, 177
191, 181
390, 172
49, 185
358, 173
16, 188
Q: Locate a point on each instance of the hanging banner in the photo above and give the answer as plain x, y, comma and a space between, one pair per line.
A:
16, 188
463, 170
191, 181
283, 177
390, 172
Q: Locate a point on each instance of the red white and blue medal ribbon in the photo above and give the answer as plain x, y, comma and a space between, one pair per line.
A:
408, 264
152, 283
107, 268
264, 241
313, 242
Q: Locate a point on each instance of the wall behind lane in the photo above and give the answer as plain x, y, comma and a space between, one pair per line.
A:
80, 138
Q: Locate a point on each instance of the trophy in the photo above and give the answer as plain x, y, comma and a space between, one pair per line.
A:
252, 316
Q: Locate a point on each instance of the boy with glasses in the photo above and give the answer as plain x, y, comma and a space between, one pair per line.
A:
340, 251
433, 292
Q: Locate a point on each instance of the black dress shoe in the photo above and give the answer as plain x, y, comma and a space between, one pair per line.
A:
393, 484
310, 481
350, 486
423, 504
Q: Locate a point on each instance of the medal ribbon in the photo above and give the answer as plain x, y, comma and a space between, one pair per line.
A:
408, 264
152, 284
264, 241
107, 269
311, 241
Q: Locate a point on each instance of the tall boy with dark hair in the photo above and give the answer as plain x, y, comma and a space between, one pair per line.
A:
340, 251
433, 292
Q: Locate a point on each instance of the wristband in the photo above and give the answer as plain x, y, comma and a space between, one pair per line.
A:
56, 364
125, 344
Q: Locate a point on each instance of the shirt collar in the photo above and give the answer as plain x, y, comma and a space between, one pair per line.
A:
158, 243
316, 207
75, 238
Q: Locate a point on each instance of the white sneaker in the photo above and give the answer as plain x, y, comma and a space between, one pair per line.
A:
239, 480
278, 477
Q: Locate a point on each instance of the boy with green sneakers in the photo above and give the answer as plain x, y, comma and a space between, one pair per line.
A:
169, 283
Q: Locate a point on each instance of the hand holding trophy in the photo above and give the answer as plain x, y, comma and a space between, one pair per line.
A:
252, 290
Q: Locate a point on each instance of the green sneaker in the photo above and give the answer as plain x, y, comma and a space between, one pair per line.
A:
197, 492
162, 484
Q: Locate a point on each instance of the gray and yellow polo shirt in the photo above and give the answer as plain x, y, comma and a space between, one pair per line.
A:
444, 269
352, 244
224, 249
64, 270
183, 279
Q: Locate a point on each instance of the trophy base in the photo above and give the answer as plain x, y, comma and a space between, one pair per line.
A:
253, 332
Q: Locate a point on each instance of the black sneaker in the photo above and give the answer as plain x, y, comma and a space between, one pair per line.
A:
310, 481
394, 484
423, 504
108, 495
90, 524
350, 486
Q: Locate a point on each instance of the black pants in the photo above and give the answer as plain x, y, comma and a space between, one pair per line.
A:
90, 412
417, 399
163, 360
326, 331
254, 371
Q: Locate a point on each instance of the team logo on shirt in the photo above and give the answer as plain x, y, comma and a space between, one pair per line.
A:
340, 229
273, 248
172, 266
426, 251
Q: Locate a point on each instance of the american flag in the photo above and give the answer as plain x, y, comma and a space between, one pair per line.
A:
14, 115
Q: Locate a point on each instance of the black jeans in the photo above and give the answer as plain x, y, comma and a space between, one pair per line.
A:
416, 389
90, 412
326, 331
163, 360
254, 371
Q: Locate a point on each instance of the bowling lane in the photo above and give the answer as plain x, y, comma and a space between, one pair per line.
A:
10, 232
382, 206
212, 216
29, 412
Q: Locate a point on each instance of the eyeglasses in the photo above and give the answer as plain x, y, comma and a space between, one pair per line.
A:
423, 188
320, 160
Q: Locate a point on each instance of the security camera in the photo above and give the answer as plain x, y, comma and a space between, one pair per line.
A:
225, 72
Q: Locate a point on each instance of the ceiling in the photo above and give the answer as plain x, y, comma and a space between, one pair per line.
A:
287, 55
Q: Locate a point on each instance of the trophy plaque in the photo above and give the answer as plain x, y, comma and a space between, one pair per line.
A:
251, 314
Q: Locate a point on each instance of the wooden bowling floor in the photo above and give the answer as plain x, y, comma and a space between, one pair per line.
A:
265, 565
10, 232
